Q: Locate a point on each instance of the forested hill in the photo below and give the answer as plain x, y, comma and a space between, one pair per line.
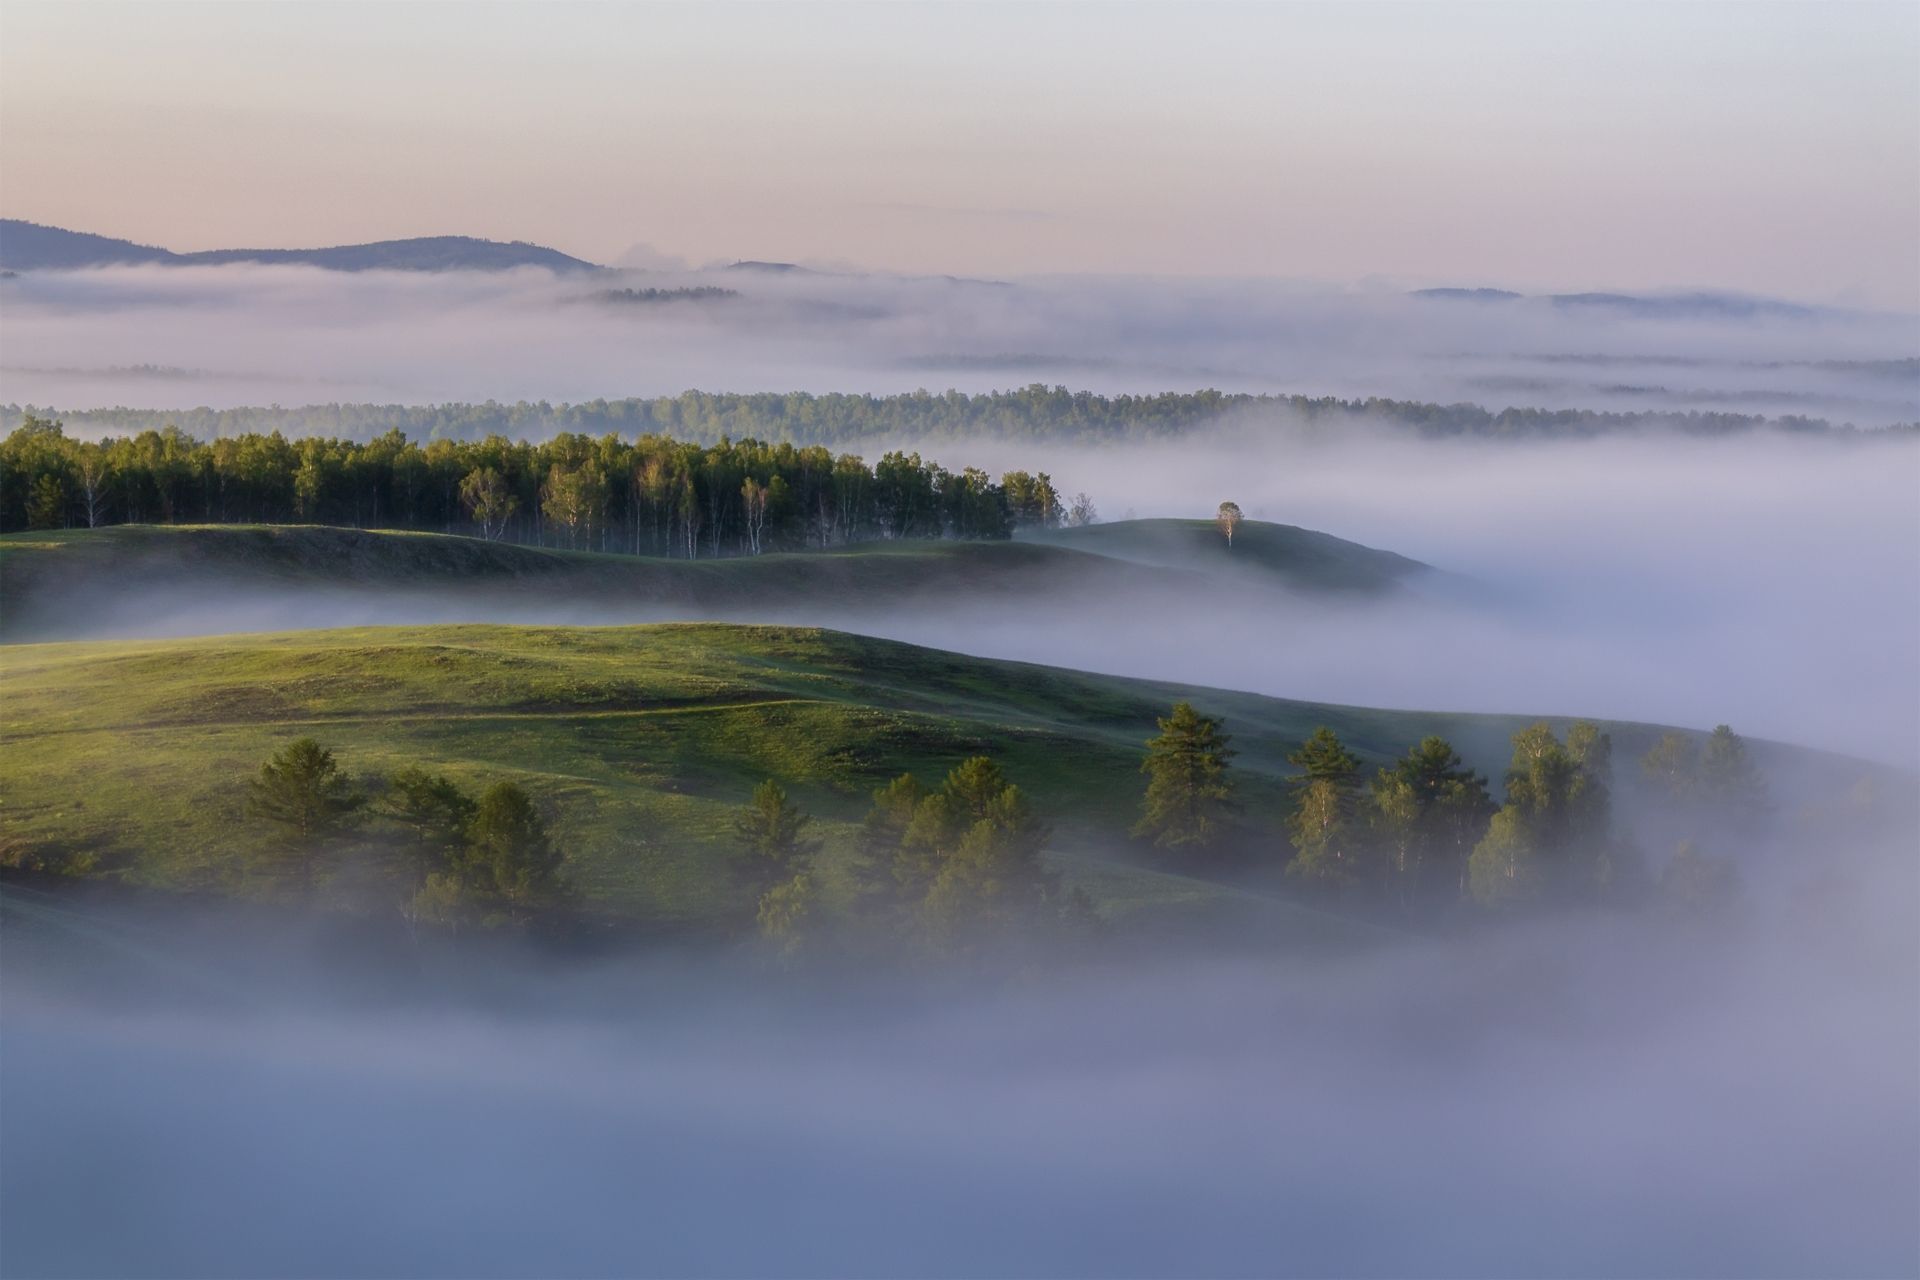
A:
1036, 412
28, 246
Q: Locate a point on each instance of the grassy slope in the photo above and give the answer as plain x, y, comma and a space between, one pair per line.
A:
1299, 557
57, 584
640, 741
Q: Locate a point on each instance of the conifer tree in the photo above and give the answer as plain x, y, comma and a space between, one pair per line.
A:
508, 851
1428, 811
303, 790
770, 830
778, 866
1329, 842
1188, 803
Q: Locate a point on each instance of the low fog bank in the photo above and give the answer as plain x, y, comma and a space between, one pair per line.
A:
1583, 1096
175, 337
1771, 582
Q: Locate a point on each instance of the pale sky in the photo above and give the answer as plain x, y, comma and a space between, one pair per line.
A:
1771, 148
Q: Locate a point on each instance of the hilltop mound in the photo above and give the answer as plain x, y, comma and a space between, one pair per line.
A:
1300, 558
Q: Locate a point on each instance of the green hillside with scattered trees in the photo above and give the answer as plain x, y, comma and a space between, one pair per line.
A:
620, 772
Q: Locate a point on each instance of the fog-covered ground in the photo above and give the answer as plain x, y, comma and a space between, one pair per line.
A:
1586, 1096
176, 337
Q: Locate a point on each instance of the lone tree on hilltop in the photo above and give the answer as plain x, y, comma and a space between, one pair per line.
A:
1189, 795
1227, 519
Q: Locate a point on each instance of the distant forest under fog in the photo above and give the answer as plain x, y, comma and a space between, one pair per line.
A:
1035, 412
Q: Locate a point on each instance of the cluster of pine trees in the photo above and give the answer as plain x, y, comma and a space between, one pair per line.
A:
957, 870
653, 495
1425, 831
948, 871
954, 870
463, 857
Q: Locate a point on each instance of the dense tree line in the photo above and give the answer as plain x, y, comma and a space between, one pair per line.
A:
1036, 412
651, 495
1425, 832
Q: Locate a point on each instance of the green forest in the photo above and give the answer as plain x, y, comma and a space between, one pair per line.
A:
652, 496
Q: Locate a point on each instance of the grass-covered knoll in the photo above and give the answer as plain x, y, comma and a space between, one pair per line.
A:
1300, 558
640, 742
68, 583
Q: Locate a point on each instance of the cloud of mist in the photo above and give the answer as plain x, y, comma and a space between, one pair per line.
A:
1589, 1097
172, 337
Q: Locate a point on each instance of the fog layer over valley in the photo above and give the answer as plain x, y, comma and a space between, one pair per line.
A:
176, 337
1586, 1095
993, 641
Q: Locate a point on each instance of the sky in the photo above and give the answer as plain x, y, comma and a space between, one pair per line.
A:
1758, 147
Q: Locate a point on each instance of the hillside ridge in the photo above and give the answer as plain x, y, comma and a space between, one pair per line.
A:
69, 584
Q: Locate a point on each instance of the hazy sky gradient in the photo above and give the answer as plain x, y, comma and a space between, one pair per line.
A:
1751, 146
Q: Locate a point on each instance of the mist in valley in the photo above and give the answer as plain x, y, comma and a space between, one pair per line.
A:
1584, 1095
178, 337
1600, 1092
1562, 920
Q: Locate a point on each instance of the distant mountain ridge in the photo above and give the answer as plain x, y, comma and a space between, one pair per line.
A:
30, 246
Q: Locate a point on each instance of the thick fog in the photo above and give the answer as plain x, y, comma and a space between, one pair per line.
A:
177, 337
1587, 1096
